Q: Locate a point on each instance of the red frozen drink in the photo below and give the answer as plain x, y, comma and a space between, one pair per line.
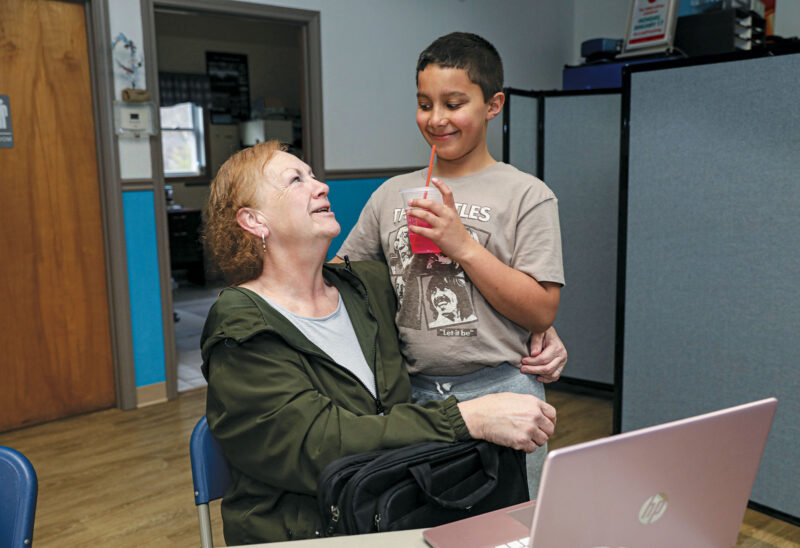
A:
420, 244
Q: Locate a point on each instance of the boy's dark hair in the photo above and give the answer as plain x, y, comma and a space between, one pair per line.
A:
469, 52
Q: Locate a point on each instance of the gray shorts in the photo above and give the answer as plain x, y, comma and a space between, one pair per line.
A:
489, 380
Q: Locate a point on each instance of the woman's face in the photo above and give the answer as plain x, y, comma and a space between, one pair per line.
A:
294, 202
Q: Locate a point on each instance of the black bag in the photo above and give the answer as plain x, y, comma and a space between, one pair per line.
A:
422, 485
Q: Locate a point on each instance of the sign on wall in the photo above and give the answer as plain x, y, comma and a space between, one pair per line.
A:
6, 132
651, 27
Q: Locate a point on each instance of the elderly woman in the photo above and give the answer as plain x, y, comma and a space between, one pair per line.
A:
302, 357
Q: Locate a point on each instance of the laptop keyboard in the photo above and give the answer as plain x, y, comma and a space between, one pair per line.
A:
521, 543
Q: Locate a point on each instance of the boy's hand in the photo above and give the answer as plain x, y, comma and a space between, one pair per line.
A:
513, 293
447, 230
548, 357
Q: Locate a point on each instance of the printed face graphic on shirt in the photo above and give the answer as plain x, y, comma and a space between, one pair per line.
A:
450, 301
431, 288
444, 301
399, 289
401, 255
401, 242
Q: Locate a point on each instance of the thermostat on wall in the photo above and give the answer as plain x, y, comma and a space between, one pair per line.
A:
133, 119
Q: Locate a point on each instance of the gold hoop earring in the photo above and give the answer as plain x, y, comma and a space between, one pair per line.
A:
264, 243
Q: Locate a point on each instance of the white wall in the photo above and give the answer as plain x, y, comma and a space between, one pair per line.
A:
787, 18
135, 161
369, 52
370, 47
593, 19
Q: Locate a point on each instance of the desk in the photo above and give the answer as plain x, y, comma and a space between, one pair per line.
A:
601, 75
757, 530
392, 539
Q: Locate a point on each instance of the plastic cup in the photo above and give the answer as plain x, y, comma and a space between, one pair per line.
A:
420, 244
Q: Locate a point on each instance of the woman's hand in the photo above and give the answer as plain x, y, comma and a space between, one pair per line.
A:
518, 421
447, 230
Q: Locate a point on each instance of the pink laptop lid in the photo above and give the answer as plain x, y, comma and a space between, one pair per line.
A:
683, 483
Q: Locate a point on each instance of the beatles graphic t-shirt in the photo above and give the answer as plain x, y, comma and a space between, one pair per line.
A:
446, 327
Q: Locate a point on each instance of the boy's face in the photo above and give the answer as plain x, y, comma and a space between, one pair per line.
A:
452, 114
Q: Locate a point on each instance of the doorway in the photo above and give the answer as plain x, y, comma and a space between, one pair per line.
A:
272, 57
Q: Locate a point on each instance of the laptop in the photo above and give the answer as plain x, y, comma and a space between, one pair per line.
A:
682, 483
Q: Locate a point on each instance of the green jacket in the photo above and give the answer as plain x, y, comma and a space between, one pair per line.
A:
282, 409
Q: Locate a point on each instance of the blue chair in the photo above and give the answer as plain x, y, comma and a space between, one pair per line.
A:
18, 491
210, 475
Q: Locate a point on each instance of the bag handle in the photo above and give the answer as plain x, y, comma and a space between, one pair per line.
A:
491, 462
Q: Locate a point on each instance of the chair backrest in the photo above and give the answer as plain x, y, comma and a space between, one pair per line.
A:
19, 488
210, 472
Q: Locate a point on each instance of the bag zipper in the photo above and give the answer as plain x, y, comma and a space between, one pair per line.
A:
329, 505
333, 521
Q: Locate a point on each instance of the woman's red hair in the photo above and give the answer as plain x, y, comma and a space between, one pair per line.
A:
237, 253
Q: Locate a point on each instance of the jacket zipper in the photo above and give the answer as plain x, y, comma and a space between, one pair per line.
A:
379, 408
378, 405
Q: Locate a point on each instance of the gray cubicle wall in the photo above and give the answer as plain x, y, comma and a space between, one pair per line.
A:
581, 165
712, 253
521, 130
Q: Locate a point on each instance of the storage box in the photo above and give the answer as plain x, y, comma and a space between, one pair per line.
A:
258, 131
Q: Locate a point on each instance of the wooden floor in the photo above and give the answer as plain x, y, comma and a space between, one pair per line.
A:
122, 478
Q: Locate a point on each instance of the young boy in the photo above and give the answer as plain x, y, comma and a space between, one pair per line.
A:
466, 315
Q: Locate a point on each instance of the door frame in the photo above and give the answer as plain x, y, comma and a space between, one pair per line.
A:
311, 123
111, 208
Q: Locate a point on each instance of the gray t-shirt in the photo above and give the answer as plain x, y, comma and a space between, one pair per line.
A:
446, 327
335, 336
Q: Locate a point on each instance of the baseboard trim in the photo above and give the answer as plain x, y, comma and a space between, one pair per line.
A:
582, 386
151, 394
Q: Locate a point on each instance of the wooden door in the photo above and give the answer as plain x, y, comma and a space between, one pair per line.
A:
55, 343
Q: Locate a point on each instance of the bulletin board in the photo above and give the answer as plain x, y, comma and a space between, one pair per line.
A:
230, 87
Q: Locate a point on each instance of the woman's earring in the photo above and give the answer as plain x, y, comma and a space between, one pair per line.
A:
264, 243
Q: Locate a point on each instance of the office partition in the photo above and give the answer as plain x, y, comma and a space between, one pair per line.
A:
521, 130
571, 141
581, 165
709, 309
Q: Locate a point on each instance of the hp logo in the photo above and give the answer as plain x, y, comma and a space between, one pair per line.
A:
653, 508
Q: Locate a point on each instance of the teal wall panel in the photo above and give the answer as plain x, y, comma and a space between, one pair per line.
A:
348, 197
144, 288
